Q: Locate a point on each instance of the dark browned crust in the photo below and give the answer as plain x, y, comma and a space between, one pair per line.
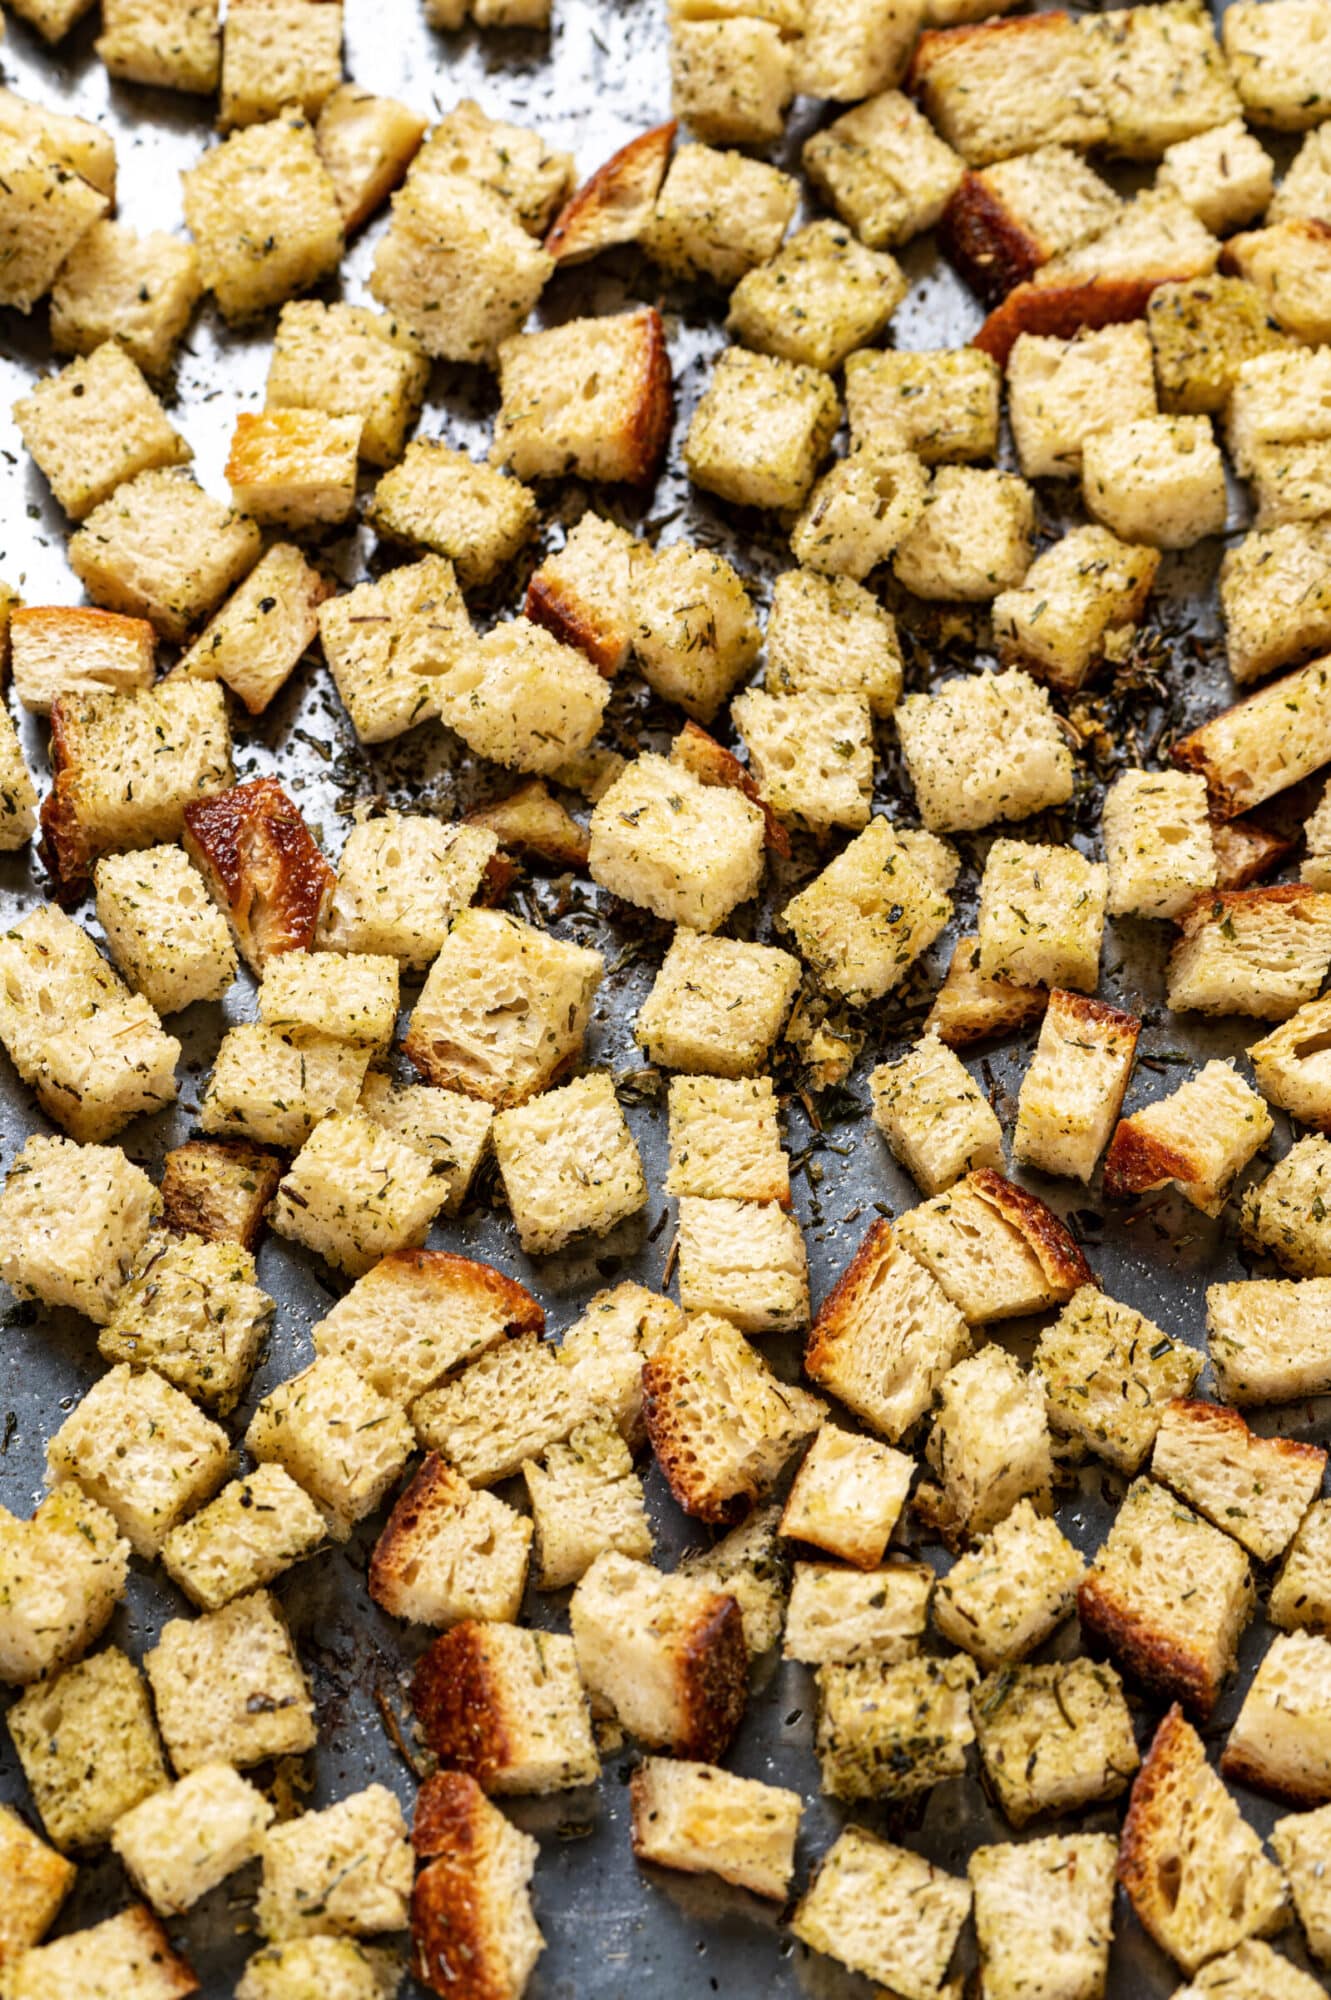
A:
985, 242
1247, 1770
1045, 1236
556, 607
673, 1448
616, 202
454, 1949
1022, 1005
820, 1348
712, 764
1065, 309
262, 865
648, 430
1161, 1663
66, 621
66, 853
459, 1704
1137, 1162
436, 1489
1175, 1741
192, 1175
534, 823
935, 43
1097, 1016
521, 1312
713, 1681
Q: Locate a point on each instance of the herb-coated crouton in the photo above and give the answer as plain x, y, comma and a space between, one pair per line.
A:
264, 215
172, 44
1076, 605
829, 635
87, 147
934, 1116
338, 1437
254, 1529
860, 511
942, 404
590, 398
1300, 1843
1158, 843
344, 996
1291, 1069
582, 593
1004, 222
418, 1315
1045, 1909
706, 1821
748, 1565
507, 1706
142, 1450
1010, 1590
694, 629
1253, 845
1061, 392
366, 144
970, 1008
1276, 597
37, 1882
1304, 185
1224, 174
1168, 1595
743, 1260
1286, 1214
1279, 1741
520, 697
1006, 87
1159, 480
389, 643
294, 468
72, 1220
822, 296
839, 1616
473, 1933
126, 1953
1252, 951
45, 211
194, 1313
346, 1869
1072, 1092
984, 749
511, 161
811, 754
867, 917
1041, 915
1270, 741
261, 865
229, 1687
667, 1652
1109, 1374
974, 538
449, 1552
347, 361
452, 1130
95, 425
719, 214
585, 1498
275, 1088
1279, 62
848, 52
884, 170
163, 549
531, 822
504, 1408
88, 1747
996, 1250
178, 1844
731, 80
725, 1140
1054, 1739
355, 1191
847, 1496
717, 1005
761, 429
568, 1163
884, 1911
1277, 398
1163, 80
1290, 482
1255, 1488
61, 1574
890, 1729
401, 881
171, 943
440, 499
277, 53
687, 851
616, 203
989, 1445
1265, 1339
456, 267
1253, 1971
256, 640
1202, 333
18, 794
606, 1347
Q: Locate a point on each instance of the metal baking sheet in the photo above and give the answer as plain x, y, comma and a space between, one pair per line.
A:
611, 1928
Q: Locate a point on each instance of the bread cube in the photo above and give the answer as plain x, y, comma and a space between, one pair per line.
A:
704, 1821
725, 1140
569, 1164
1272, 740
585, 1498
45, 210
88, 1747
39, 1879
453, 1131
277, 53
178, 1844
828, 635
666, 1652
694, 629
440, 499
743, 1260
1290, 482
1253, 1971
1159, 480
161, 548
864, 920
1290, 1066
1300, 1841
1011, 218
1252, 846
507, 1707
253, 1531
1054, 1739
890, 1730
589, 398
718, 215
264, 214
450, 1553
989, 1445
137, 290
1041, 915
294, 468
942, 404
347, 361
79, 143
860, 511
606, 1347
1009, 86
1265, 1338
847, 1496
1290, 265
342, 996
974, 538
388, 644
336, 1435
366, 144
72, 1220
1255, 1488
457, 268
616, 203
95, 425
346, 1870
760, 430
839, 1617
969, 1008
1279, 62
171, 943
126, 1953
811, 754
1158, 843
420, 1314
1285, 1214
275, 1088
1278, 1742
1077, 605
229, 1687
687, 851
936, 1120
1072, 1092
473, 1896
172, 44
142, 1450
61, 1574
262, 866
582, 593
996, 1250
1062, 392
1164, 79
1305, 183
731, 80
1252, 951
354, 1192
1275, 596
511, 160
883, 169
822, 296
400, 882
1224, 174
506, 1407
1109, 1374
717, 1005
520, 697
850, 52
883, 1911
748, 1564
193, 1312
18, 794
1202, 333
1168, 1596
1199, 1137
1047, 1908
258, 637
984, 748
1010, 1590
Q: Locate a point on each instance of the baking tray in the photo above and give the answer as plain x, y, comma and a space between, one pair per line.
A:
611, 1928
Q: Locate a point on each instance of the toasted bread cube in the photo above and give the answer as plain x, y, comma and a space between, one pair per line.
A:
1286, 1214
1203, 331
450, 1553
366, 144
1291, 1067
349, 362
828, 635
1266, 1338
687, 851
717, 1005
257, 638
748, 1565
1054, 1739
142, 1450
666, 1652
722, 1426
1168, 1595
263, 212
934, 1117
520, 697
850, 52
512, 161
1077, 605
761, 429
1279, 1740
1199, 1137
262, 866
453, 1131
171, 943
95, 425
1010, 1590
172, 44
884, 170
867, 917
1158, 843
942, 404
61, 1574
718, 215
78, 143
582, 592
275, 1088
585, 1498
822, 296
839, 1617
694, 629
1300, 1843
1045, 1910
343, 996
983, 749
72, 1220
745, 1261
811, 754
138, 290
606, 1347
884, 1911
507, 1035
456, 267
129, 1953
847, 1496
193, 1312
989, 1445
440, 499
472, 1897
1270, 741
1061, 392
996, 1251
1255, 1488
388, 645
1290, 265
294, 468
400, 882
1109, 1374
589, 398
1252, 846
277, 53
1164, 79
1251, 1972
18, 794
1006, 221
1041, 915
46, 208
1290, 482
973, 540
888, 1730
885, 1336
616, 203
254, 1529
508, 1406
420, 1314
860, 511
1275, 595
1072, 1092
178, 1844
1279, 62
1159, 480
88, 1747
229, 1687
705, 1821
725, 1140
731, 80
38, 1880
1009, 86
969, 1008
1305, 183
507, 1707
346, 1870
1252, 951
569, 1164
1224, 174
161, 548
355, 1191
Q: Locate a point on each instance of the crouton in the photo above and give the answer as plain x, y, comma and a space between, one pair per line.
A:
748, 1565
717, 1005
989, 1445
667, 1652
56, 651
1279, 62
355, 1192
867, 917
450, 1553
294, 468
95, 425
1276, 597
718, 215
934, 1117
889, 1730
510, 160
1290, 482
1072, 1092
582, 592
264, 215
606, 1347
418, 1315
1286, 1214
258, 637
1224, 174
616, 204
520, 697
1265, 1339
1271, 740
705, 1821
143, 1451
275, 1088
1076, 605
811, 754
1168, 1595
61, 1574
569, 1164
366, 144
1300, 1843
126, 1953
262, 867
229, 1687
531, 822
452, 1130
389, 644
1278, 398
996, 1251
851, 52
1045, 1910
974, 539
88, 1747
822, 296
761, 429
1163, 79
253, 1531
507, 1707
346, 997
860, 511
745, 1261
1252, 951
170, 44
1290, 1065
725, 1140
983, 749
160, 548
828, 635
731, 80
1007, 87
193, 1312
79, 143
336, 1435
504, 1408
1109, 1374
457, 268
969, 1008
473, 1933
585, 1498
1158, 843
589, 398
687, 851
1251, 1972
170, 942
1041, 915
1054, 1739
884, 1911
38, 1881
1010, 1590
72, 1220
347, 1869
694, 629
1199, 1137
440, 499
1004, 222
347, 361
1061, 392
277, 53
178, 1844
18, 794
1253, 845
1289, 263
840, 1616
46, 210
1256, 1489
401, 881
1159, 480
1202, 332
847, 1496
883, 169
1279, 1740
1305, 183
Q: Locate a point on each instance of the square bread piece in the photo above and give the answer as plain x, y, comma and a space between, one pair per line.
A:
761, 429
1009, 86
1164, 79
449, 1552
476, 1886
693, 627
456, 267
1004, 222
606, 1347
1158, 845
257, 639
1253, 1971
354, 1192
172, 44
453, 1131
161, 548
885, 1912
520, 697
1286, 1214
583, 592
78, 143
747, 1564
507, 1706
1046, 1906
347, 1869
1225, 175
1257, 1489
989, 1445
169, 940
439, 499
839, 1616
1061, 392
995, 1249
349, 361
1110, 1374
506, 1407
254, 1529
178, 1844
126, 1953
264, 214
1264, 952
1160, 480
829, 635
1199, 1137
401, 880
717, 1004
731, 79
968, 1008
940, 403
141, 1448
588, 399
44, 212
62, 1572
1041, 915
1302, 1843
276, 53
884, 170
819, 299
1077, 605
1280, 1740
1072, 1092
860, 510
193, 1311
722, 1425
725, 1141
867, 917
686, 851
513, 161
337, 1437
88, 1747
810, 754
347, 997
974, 539
984, 748
706, 1821
1266, 1338
744, 1260
504, 1009
229, 1688
366, 143
1054, 1739
1275, 595
1168, 1596
847, 1496
718, 215
1280, 63
1304, 185
95, 425
18, 794
294, 468
569, 1164
38, 1880
72, 1221
585, 1498
934, 1116
890, 1730
276, 1088
1011, 1589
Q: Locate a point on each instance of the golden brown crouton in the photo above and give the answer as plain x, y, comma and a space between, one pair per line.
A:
616, 203
473, 1934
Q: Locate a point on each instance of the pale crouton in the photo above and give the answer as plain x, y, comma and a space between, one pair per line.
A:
1263, 951
61, 1574
1266, 1339
1275, 594
1076, 606
1158, 843
718, 215
277, 53
418, 1315
342, 996
685, 850
1010, 1590
725, 1140
1224, 174
1300, 1843
1004, 222
1286, 1214
1041, 915
275, 1088
839, 1616
142, 1450
45, 211
996, 1251
606, 1347
974, 539
72, 1220
520, 697
585, 1498
1289, 263
1202, 332
256, 1528
472, 1930
229, 1687
616, 203
989, 1445
389, 643
347, 361
748, 1564
126, 1953
452, 1130
355, 1191
294, 468
18, 794
934, 1116
1271, 740
161, 548
1045, 1911
193, 1312
970, 1008
941, 403
1251, 1972
568, 1163
761, 429
717, 1005
745, 1261
450, 1553
88, 1748
138, 290
1054, 1739
170, 44
262, 867
1168, 1595
884, 1911
884, 170
847, 1496
889, 1730
512, 161
1290, 482
860, 511
171, 943
1072, 1093
366, 144
440, 499
38, 1880
400, 882
589, 398
258, 637
264, 215
1159, 480
81, 143
95, 425
666, 1652
456, 267
1306, 182
867, 917
1255, 1488
1199, 1137
1279, 1741
178, 1844
1291, 1066
1282, 398
850, 51
1279, 60
811, 754
1007, 87
723, 1427
506, 1706
822, 296
1163, 79
336, 1435
506, 1407
1061, 392
531, 822
1109, 1374
693, 626
731, 80
829, 635
347, 1869
705, 1821
984, 749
